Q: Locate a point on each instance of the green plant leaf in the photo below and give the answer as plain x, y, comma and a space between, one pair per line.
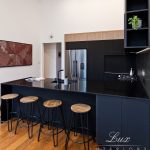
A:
134, 21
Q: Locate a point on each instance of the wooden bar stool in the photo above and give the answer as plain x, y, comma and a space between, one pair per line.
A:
28, 113
81, 111
53, 110
10, 111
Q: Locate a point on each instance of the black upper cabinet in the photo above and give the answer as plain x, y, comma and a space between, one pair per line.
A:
137, 39
132, 5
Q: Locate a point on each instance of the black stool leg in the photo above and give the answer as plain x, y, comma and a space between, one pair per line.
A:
68, 133
49, 122
18, 117
74, 123
82, 126
56, 127
41, 123
39, 134
55, 143
30, 119
7, 105
87, 124
63, 118
39, 110
11, 115
17, 125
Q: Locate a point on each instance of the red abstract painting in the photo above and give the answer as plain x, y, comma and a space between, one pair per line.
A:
15, 54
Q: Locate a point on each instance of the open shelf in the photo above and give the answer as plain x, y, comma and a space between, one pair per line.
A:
132, 5
143, 15
137, 38
138, 11
134, 50
135, 47
145, 28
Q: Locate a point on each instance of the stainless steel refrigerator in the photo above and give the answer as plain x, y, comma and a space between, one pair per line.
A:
76, 64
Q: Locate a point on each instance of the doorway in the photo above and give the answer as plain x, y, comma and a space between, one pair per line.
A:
52, 59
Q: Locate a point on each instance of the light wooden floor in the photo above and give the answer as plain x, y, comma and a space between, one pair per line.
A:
10, 141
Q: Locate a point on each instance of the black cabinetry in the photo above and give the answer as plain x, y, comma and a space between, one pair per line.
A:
132, 5
108, 118
137, 39
135, 121
130, 117
97, 52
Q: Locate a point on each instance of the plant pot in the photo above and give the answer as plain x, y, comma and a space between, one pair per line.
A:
138, 26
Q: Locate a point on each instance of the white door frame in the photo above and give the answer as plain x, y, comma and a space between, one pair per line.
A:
62, 58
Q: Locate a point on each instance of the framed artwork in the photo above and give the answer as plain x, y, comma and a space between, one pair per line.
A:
15, 54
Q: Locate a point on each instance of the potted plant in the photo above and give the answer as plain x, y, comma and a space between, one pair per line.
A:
136, 22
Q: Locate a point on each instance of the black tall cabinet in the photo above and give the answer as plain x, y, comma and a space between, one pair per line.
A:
137, 39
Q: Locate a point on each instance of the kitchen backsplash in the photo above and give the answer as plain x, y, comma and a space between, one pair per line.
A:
143, 69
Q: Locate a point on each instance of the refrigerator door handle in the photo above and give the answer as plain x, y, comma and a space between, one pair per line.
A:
75, 68
70, 64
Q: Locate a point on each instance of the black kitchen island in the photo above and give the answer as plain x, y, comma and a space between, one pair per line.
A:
117, 106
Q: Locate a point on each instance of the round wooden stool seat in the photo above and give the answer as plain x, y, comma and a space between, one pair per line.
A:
29, 99
52, 103
80, 108
9, 96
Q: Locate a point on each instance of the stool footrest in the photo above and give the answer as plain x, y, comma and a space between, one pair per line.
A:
76, 130
81, 142
24, 121
51, 131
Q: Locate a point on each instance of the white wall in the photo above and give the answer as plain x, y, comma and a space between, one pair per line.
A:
70, 16
32, 21
74, 16
19, 21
